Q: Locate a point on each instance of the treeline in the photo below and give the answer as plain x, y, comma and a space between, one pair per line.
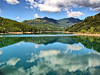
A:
89, 25
50, 24
7, 25
43, 24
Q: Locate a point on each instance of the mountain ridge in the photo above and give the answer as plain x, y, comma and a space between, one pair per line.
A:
90, 24
45, 22
8, 25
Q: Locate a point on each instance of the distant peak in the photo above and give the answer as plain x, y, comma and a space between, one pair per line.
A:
45, 17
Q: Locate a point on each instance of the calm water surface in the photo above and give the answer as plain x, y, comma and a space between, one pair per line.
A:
49, 54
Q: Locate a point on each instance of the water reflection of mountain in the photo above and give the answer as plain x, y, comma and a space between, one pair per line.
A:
5, 41
88, 42
50, 40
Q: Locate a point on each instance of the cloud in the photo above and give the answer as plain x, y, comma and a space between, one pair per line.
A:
0, 11
13, 61
13, 2
30, 1
17, 17
60, 5
97, 9
94, 4
74, 14
36, 15
49, 8
31, 7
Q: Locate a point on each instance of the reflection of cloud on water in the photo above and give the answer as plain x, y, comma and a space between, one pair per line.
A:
48, 53
0, 52
18, 44
73, 47
61, 63
2, 63
7, 70
32, 59
36, 46
43, 54
13, 61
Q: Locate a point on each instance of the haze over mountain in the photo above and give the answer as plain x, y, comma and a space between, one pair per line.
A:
88, 25
50, 24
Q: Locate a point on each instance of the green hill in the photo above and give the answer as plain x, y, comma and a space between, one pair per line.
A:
7, 25
49, 24
89, 25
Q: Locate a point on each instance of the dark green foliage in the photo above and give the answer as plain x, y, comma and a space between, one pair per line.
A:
89, 42
7, 25
49, 24
5, 41
89, 25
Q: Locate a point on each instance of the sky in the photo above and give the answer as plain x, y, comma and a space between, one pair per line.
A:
30, 9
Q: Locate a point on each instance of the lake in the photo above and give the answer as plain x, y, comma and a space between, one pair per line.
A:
49, 54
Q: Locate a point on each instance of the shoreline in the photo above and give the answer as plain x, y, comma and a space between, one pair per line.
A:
28, 32
84, 34
76, 33
20, 33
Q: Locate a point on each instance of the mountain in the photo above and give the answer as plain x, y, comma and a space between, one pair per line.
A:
88, 25
7, 25
49, 24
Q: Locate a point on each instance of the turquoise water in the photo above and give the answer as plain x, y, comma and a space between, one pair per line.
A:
49, 54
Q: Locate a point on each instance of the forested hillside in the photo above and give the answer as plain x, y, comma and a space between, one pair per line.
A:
7, 25
89, 25
49, 24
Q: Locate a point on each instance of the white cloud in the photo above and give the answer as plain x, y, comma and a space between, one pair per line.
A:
36, 15
12, 1
17, 17
74, 14
49, 8
30, 1
59, 5
31, 7
0, 11
13, 61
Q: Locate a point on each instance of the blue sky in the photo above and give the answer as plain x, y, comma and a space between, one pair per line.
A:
30, 9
